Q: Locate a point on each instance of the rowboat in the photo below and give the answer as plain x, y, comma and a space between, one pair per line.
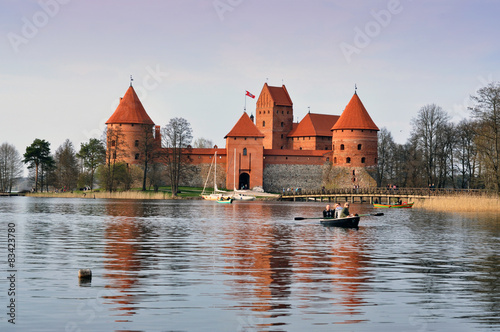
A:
225, 200
348, 222
394, 206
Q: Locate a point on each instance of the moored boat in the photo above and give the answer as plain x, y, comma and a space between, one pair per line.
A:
348, 222
242, 197
394, 206
224, 200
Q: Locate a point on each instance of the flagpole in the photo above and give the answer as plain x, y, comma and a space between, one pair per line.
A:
245, 109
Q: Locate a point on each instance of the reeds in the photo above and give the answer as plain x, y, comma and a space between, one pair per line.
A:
460, 203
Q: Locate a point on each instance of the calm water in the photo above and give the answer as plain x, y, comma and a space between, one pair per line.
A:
203, 266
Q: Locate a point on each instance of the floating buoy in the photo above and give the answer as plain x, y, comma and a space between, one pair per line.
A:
85, 274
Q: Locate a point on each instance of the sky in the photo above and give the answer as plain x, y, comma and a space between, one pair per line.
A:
65, 63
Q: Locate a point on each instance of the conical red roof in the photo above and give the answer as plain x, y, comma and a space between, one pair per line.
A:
244, 128
355, 116
130, 110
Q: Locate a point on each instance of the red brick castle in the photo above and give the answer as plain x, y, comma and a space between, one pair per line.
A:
271, 153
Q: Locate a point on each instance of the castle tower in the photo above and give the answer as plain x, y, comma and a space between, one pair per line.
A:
130, 130
245, 155
354, 138
274, 116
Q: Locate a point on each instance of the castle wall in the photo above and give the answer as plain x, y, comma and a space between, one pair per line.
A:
283, 176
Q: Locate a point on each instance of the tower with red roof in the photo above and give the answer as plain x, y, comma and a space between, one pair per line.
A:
274, 116
245, 155
129, 129
354, 137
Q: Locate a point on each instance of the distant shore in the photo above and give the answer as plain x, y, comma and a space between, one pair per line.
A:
133, 194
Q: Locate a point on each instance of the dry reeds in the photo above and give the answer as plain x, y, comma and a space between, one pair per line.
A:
460, 203
115, 195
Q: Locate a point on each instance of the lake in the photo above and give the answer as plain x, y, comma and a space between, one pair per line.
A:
248, 266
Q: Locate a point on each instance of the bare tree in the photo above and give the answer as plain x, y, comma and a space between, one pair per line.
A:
148, 151
385, 155
116, 148
11, 167
203, 143
487, 111
427, 127
176, 138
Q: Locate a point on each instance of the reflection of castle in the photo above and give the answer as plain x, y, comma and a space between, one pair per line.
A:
273, 152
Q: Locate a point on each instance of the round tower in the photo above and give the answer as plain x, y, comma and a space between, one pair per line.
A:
130, 130
354, 137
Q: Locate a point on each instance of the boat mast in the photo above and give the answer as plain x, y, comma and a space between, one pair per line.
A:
234, 171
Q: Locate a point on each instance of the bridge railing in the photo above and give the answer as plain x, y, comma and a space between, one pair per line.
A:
382, 191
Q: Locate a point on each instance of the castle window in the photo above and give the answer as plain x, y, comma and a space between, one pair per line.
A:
282, 124
260, 112
353, 172
132, 124
267, 112
281, 135
300, 148
136, 143
334, 160
113, 143
348, 160
282, 112
327, 158
136, 156
341, 146
282, 148
363, 160
326, 147
263, 123
244, 151
277, 112
359, 146
287, 112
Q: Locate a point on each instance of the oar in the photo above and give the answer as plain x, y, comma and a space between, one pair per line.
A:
371, 214
359, 215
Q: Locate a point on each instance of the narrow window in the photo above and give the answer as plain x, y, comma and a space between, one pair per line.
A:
244, 151
282, 124
136, 156
341, 146
359, 146
363, 160
263, 123
334, 160
113, 143
136, 143
348, 160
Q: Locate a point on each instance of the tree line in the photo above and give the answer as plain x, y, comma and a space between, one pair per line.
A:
98, 161
441, 154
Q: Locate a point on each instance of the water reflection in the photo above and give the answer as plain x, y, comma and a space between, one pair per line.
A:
250, 266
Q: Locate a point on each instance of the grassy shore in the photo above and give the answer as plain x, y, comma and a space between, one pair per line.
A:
162, 193
460, 203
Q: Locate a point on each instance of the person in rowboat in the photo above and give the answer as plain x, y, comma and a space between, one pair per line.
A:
328, 213
345, 211
338, 210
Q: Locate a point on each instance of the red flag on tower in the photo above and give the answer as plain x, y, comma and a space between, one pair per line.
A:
250, 95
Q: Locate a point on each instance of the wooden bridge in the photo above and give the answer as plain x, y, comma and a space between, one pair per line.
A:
376, 195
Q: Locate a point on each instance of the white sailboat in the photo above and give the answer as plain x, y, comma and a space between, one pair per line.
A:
216, 194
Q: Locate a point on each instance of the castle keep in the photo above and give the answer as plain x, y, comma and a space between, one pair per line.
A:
269, 151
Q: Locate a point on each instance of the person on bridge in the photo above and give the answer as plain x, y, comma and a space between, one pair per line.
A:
328, 213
